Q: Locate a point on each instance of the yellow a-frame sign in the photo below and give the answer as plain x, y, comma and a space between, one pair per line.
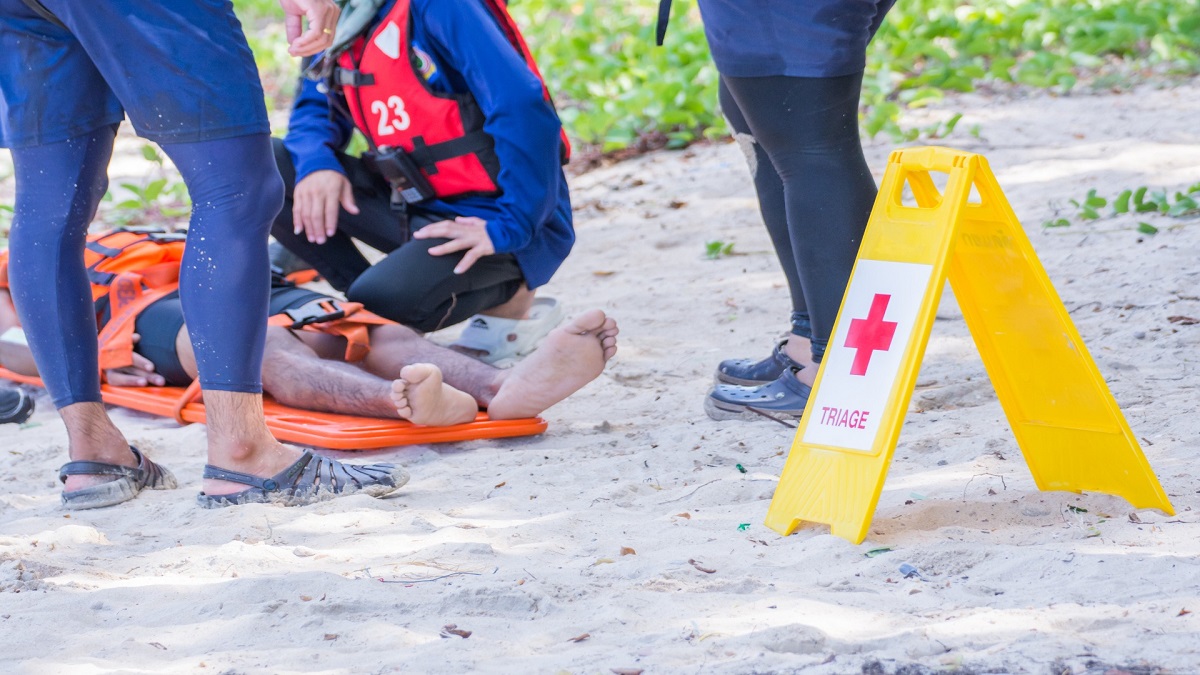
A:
1066, 422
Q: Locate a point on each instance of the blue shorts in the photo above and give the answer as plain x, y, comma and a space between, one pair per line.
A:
798, 38
181, 69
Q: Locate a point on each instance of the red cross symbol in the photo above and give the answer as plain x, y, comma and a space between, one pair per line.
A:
870, 334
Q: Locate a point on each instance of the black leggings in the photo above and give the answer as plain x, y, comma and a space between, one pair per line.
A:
408, 286
800, 136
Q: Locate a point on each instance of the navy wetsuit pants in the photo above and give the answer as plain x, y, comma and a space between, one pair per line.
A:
187, 79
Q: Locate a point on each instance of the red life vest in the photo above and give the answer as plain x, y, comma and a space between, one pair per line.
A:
394, 107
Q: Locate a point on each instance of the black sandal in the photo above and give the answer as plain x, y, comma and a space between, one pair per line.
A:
129, 482
311, 479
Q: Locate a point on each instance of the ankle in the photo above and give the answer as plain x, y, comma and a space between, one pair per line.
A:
92, 435
516, 307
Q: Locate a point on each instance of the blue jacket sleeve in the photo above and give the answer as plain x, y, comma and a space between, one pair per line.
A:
523, 124
312, 137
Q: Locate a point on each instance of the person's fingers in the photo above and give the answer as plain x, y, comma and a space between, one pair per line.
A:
315, 219
299, 211
348, 202
330, 216
142, 368
470, 220
468, 260
142, 363
318, 36
294, 25
121, 379
452, 246
443, 229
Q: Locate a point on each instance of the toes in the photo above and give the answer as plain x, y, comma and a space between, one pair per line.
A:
588, 322
417, 372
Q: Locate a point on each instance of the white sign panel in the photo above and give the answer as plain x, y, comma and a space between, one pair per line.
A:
865, 355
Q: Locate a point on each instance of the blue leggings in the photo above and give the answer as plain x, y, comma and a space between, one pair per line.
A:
224, 282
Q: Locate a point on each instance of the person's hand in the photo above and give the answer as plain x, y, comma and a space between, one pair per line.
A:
322, 18
315, 204
140, 374
465, 234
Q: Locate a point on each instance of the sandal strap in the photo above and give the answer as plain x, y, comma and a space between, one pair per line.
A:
90, 468
287, 477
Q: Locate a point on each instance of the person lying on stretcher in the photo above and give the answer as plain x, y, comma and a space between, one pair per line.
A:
402, 375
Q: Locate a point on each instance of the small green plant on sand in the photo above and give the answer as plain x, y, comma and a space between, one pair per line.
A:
1181, 204
718, 249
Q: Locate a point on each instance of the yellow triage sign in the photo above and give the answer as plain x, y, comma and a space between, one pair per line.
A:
1065, 420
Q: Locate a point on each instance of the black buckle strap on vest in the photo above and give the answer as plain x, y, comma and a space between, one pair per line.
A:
40, 9
313, 312
664, 17
427, 156
409, 185
344, 77
101, 278
106, 251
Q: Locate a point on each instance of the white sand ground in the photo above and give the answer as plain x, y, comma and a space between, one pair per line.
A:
521, 542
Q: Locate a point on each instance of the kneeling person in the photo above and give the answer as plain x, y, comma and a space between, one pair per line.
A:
462, 188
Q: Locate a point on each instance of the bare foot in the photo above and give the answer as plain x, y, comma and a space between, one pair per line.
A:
569, 357
422, 398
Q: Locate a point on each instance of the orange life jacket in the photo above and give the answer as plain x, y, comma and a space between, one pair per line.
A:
394, 107
131, 269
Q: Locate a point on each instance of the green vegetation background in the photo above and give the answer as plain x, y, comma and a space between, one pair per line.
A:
615, 89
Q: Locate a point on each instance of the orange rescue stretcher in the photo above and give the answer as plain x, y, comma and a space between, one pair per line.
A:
325, 430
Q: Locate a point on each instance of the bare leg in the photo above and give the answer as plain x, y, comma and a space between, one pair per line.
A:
92, 436
394, 347
296, 375
799, 349
571, 356
517, 307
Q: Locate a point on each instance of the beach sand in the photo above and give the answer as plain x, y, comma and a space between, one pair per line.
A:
626, 539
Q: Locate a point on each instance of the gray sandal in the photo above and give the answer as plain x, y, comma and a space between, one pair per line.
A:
129, 482
311, 479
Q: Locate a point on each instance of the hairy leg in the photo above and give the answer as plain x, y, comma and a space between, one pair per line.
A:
297, 376
394, 347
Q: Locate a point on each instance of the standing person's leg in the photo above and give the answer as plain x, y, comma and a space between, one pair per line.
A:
809, 129
59, 117
59, 186
188, 80
768, 186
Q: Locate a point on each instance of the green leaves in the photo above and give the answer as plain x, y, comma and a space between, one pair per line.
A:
1136, 200
1088, 207
615, 89
158, 201
717, 249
